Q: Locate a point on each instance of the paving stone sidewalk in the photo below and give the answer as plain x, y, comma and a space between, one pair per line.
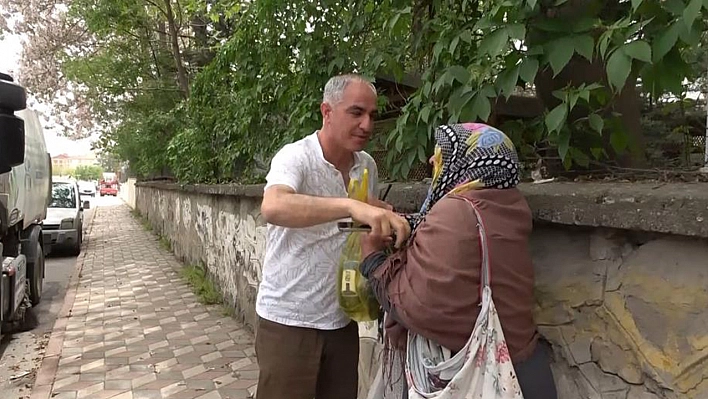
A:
136, 331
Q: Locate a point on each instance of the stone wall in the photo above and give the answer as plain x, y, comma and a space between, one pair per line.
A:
621, 275
127, 192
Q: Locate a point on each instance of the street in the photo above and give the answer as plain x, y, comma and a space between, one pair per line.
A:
21, 353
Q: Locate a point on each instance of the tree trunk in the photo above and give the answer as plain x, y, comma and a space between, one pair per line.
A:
705, 98
705, 156
423, 10
182, 79
162, 36
627, 103
203, 54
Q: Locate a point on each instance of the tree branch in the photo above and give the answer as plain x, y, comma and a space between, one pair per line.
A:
143, 89
174, 40
158, 7
179, 15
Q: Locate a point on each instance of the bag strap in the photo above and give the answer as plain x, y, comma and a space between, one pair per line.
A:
483, 244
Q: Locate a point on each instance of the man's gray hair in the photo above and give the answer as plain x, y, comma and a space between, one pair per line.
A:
334, 89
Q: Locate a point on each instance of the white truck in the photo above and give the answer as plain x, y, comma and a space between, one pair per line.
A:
25, 190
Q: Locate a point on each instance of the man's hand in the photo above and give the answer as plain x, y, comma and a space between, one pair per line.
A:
383, 222
380, 204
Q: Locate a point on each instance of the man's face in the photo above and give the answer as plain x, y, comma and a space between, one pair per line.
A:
352, 119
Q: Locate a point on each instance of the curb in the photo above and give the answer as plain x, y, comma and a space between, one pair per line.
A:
47, 371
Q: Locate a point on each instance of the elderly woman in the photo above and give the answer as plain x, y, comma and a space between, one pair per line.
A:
432, 286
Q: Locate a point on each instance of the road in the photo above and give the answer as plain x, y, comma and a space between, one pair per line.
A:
21, 353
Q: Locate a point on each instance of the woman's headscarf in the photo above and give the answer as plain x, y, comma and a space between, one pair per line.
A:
469, 156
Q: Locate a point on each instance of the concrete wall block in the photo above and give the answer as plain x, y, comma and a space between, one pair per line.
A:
615, 360
637, 392
566, 276
580, 350
571, 383
602, 381
607, 244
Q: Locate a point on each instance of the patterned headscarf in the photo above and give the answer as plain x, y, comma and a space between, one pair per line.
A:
469, 156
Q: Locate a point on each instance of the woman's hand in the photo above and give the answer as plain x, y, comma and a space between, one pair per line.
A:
372, 242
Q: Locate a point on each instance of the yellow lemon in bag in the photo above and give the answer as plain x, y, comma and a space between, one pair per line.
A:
355, 297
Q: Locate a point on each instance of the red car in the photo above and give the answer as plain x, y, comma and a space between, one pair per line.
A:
108, 188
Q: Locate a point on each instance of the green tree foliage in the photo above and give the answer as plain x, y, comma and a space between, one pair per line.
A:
264, 86
109, 162
134, 82
255, 72
88, 172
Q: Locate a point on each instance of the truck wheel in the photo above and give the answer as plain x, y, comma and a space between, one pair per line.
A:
77, 246
37, 277
24, 320
12, 96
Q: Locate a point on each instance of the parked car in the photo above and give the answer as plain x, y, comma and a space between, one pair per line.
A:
87, 188
63, 226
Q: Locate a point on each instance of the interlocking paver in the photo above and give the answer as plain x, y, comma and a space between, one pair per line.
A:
137, 331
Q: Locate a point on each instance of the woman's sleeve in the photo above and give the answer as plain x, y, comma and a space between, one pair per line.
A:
369, 265
429, 284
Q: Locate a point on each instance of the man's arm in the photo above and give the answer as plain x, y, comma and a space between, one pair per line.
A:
282, 206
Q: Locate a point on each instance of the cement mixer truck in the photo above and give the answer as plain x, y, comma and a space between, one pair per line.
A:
25, 190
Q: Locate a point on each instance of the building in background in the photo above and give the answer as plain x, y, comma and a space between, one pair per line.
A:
72, 161
60, 162
63, 164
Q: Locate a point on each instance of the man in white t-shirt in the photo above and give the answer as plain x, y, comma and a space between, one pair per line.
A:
306, 346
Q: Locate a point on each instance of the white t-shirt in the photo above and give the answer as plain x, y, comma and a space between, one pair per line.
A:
299, 286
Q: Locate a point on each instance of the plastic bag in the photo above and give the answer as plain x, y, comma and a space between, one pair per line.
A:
355, 297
